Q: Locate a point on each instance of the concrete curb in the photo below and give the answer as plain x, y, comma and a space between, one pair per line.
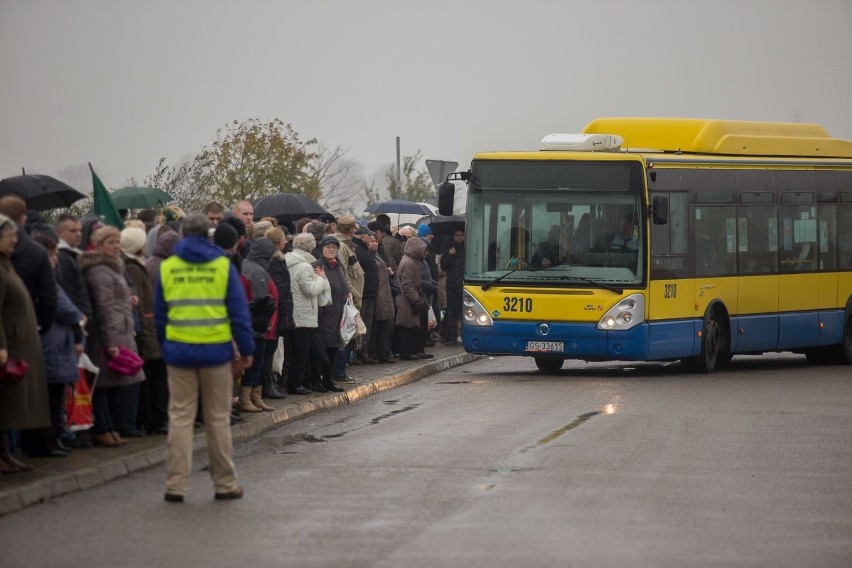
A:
108, 468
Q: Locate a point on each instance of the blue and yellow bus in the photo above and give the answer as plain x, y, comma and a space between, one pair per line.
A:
660, 239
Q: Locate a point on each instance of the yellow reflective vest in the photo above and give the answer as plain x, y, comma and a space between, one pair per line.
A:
195, 297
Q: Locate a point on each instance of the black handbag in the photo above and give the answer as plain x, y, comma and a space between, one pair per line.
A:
261, 312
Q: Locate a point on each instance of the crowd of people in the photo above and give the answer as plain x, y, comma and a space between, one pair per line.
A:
173, 304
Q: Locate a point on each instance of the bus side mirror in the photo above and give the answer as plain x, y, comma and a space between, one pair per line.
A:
660, 210
446, 198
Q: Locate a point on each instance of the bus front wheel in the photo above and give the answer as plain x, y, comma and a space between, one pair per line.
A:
715, 344
548, 364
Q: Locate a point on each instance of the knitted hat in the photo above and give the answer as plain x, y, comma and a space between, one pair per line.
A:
424, 231
329, 240
225, 236
132, 240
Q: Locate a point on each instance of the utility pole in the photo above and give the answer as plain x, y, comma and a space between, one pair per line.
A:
398, 172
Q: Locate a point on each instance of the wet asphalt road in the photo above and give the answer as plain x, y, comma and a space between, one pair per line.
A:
493, 464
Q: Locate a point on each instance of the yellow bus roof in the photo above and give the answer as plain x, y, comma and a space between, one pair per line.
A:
729, 137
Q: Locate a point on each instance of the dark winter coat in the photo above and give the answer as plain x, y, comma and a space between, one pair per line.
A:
367, 260
71, 279
384, 309
146, 337
453, 265
329, 316
281, 276
409, 277
60, 358
22, 406
112, 324
33, 266
393, 250
256, 270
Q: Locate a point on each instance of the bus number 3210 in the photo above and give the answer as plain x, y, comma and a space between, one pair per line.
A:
515, 304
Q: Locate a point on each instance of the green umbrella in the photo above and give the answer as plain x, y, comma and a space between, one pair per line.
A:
139, 197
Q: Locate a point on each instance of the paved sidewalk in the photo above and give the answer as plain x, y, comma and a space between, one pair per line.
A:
87, 468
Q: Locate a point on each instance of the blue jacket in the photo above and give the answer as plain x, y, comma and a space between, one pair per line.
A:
198, 249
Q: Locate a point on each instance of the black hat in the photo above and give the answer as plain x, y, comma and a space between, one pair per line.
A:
364, 231
225, 236
378, 226
236, 224
327, 218
329, 240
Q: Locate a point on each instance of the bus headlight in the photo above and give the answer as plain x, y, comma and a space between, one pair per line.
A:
626, 314
474, 313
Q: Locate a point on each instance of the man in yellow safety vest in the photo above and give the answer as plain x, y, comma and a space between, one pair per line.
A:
201, 311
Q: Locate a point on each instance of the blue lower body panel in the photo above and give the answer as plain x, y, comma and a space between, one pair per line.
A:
582, 341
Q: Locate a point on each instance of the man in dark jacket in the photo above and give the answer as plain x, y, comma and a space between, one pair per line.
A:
32, 264
200, 307
452, 262
367, 260
70, 233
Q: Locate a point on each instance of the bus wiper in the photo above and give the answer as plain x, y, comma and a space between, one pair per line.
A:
603, 285
488, 285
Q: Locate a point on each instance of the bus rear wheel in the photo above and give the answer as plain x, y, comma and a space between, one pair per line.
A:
548, 364
715, 345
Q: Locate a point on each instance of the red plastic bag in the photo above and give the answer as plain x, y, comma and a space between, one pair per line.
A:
78, 404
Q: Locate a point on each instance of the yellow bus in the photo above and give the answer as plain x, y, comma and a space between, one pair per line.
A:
660, 239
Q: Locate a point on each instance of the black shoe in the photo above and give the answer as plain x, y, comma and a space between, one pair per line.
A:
271, 391
298, 390
81, 443
409, 358
158, 430
334, 387
318, 388
60, 445
135, 433
236, 419
174, 498
235, 494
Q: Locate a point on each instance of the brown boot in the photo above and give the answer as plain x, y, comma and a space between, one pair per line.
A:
245, 403
257, 399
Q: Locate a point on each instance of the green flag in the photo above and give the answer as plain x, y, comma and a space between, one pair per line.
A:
102, 202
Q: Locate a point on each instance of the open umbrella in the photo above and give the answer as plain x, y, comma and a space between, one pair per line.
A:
402, 206
287, 206
446, 225
40, 192
139, 197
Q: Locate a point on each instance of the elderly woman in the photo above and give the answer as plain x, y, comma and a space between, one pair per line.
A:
329, 316
306, 284
411, 303
112, 326
24, 405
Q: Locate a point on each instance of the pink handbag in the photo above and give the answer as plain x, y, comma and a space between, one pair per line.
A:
126, 362
14, 371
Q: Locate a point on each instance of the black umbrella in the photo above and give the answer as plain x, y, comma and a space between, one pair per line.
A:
287, 206
139, 197
40, 192
402, 206
446, 225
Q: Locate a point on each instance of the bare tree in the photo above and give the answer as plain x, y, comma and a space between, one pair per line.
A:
339, 179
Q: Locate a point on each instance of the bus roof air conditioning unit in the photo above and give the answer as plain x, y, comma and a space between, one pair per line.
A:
581, 142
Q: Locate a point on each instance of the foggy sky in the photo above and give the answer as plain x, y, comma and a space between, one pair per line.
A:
123, 83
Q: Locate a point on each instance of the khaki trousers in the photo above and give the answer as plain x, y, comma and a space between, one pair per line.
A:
215, 384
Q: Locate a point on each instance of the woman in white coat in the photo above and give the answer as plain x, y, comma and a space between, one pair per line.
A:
306, 284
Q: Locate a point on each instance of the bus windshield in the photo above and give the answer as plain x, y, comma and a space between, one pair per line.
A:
561, 223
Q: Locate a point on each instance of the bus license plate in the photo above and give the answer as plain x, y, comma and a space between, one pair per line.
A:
546, 346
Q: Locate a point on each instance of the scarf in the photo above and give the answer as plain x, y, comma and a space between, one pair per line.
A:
331, 263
